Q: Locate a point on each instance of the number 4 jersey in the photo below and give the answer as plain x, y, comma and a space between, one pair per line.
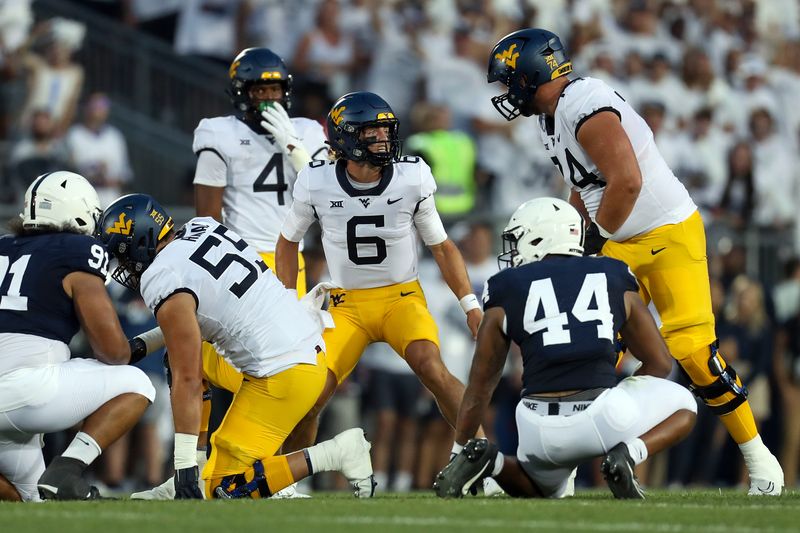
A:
32, 270
662, 200
257, 177
369, 234
243, 310
564, 313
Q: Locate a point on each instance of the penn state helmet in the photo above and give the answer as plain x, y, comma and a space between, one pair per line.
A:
349, 116
131, 228
523, 61
540, 227
60, 200
251, 66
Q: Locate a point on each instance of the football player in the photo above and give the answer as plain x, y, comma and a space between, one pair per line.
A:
565, 311
52, 283
636, 211
373, 206
206, 282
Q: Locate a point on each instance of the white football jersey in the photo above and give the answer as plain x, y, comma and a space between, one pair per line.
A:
243, 310
369, 236
663, 198
259, 180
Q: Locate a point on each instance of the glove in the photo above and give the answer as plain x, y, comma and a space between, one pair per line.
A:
279, 125
313, 301
186, 487
593, 242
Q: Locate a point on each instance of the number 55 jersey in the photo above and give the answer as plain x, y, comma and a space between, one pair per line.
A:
258, 326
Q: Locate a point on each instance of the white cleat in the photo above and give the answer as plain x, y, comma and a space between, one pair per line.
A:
491, 488
355, 461
165, 491
289, 493
766, 477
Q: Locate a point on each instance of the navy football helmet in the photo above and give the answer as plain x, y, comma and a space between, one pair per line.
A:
349, 116
251, 66
131, 229
523, 61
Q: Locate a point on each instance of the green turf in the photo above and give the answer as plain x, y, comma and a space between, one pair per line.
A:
707, 511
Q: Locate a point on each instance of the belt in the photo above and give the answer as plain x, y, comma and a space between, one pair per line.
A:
562, 405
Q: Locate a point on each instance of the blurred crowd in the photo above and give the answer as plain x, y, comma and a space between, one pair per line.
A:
717, 81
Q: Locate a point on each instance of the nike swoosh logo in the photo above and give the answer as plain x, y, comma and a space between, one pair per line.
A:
654, 252
406, 293
770, 488
390, 201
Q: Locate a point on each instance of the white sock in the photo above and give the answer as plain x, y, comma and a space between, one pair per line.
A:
499, 461
324, 457
202, 458
638, 450
402, 481
83, 448
185, 450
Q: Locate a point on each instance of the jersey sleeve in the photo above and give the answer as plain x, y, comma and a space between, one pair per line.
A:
624, 277
595, 97
313, 136
82, 253
492, 292
206, 141
158, 283
426, 217
301, 213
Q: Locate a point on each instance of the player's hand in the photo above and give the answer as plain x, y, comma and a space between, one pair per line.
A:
593, 242
277, 122
474, 318
186, 487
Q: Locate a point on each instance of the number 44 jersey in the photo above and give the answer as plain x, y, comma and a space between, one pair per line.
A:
258, 178
258, 326
564, 313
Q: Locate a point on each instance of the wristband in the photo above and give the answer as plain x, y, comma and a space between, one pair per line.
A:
469, 302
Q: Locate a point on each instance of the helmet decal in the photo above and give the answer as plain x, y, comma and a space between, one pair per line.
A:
336, 115
121, 226
508, 56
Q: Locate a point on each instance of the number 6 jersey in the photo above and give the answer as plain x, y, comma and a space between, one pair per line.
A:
369, 234
258, 326
256, 175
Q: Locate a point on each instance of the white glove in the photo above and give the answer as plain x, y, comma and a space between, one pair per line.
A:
277, 122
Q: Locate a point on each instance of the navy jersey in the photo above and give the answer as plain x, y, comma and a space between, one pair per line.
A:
564, 313
32, 268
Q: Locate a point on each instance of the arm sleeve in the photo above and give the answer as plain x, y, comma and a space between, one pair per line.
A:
301, 214
426, 217
212, 168
599, 98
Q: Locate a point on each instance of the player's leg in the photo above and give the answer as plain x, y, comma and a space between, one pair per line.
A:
8, 492
110, 400
21, 463
344, 345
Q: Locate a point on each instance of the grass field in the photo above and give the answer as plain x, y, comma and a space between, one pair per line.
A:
706, 511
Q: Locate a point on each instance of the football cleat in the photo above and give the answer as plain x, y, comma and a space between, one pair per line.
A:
62, 480
165, 491
617, 469
356, 464
491, 488
467, 468
289, 493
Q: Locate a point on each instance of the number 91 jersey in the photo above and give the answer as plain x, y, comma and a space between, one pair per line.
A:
564, 313
662, 200
258, 326
259, 178
32, 270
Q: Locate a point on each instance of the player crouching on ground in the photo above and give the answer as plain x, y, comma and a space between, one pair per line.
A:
565, 311
52, 274
205, 282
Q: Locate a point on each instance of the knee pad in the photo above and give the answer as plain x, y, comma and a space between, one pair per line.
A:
726, 392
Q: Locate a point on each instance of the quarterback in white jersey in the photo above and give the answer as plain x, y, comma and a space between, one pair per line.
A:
247, 163
206, 282
636, 211
372, 207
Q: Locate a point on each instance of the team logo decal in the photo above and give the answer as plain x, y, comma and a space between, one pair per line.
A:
365, 201
551, 61
385, 116
234, 66
121, 226
336, 115
337, 299
337, 203
508, 56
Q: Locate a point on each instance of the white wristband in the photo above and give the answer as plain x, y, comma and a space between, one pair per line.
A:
185, 450
602, 231
153, 339
469, 302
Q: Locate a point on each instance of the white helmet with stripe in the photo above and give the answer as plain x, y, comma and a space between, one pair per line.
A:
61, 200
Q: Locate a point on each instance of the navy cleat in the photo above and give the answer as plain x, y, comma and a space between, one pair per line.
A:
473, 464
617, 469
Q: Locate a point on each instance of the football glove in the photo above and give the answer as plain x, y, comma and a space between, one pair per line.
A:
593, 242
277, 122
186, 487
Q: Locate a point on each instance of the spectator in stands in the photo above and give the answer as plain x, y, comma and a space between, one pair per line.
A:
39, 152
786, 366
55, 80
158, 18
208, 29
709, 147
739, 196
15, 22
98, 150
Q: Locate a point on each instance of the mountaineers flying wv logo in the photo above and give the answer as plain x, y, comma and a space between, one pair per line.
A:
121, 226
509, 56
336, 115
